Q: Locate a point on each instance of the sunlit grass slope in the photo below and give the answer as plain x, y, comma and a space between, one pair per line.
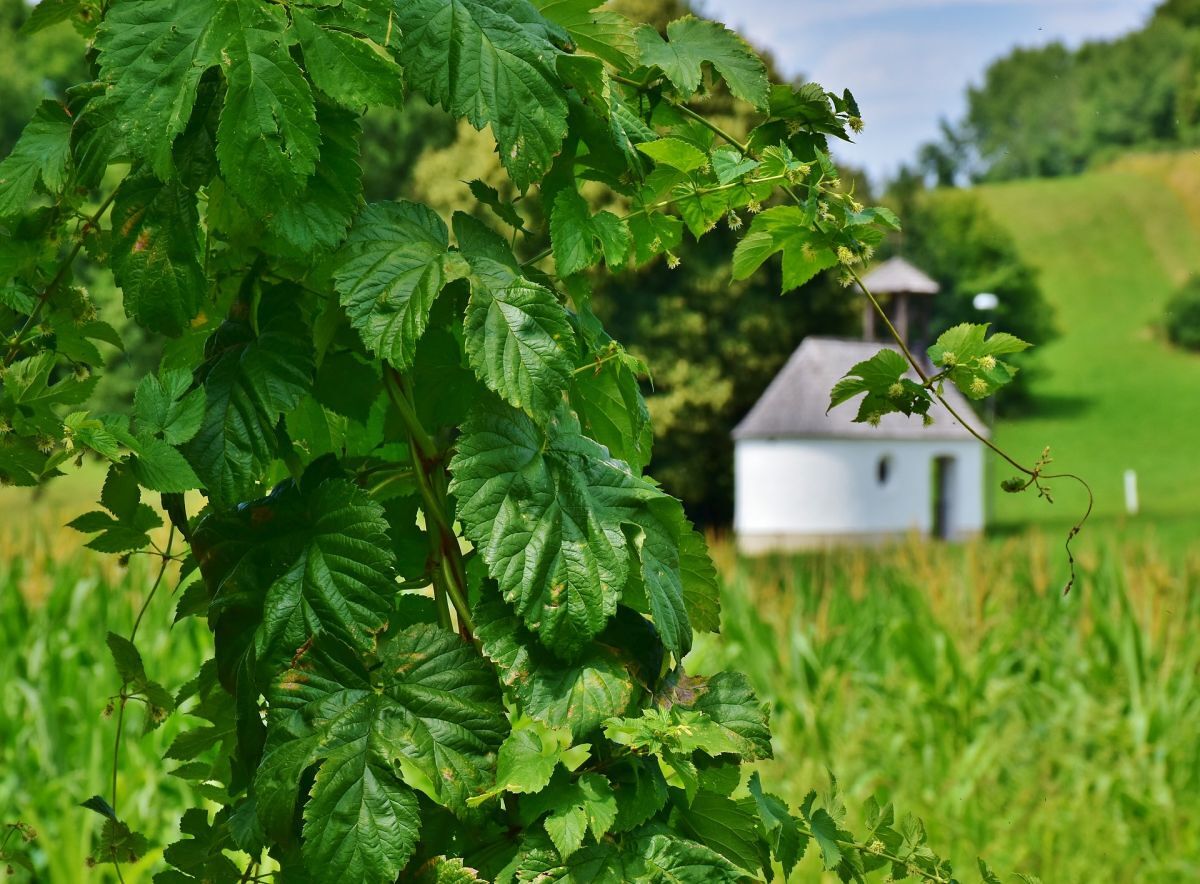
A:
1111, 246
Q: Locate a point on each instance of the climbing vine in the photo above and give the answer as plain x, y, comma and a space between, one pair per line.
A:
450, 611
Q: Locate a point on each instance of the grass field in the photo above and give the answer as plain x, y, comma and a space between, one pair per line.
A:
1111, 247
57, 603
1049, 735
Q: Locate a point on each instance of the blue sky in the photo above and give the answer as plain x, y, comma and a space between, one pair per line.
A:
909, 62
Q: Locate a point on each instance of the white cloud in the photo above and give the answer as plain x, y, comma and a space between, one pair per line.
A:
909, 61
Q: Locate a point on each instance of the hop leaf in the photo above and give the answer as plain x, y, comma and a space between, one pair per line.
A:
782, 229
693, 42
394, 263
42, 153
969, 356
492, 63
882, 378
549, 512
427, 720
156, 254
306, 561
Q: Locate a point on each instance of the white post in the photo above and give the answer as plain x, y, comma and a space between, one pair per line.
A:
1131, 494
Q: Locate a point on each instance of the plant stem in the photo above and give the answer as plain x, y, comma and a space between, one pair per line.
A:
116, 756
447, 569
1036, 476
63, 269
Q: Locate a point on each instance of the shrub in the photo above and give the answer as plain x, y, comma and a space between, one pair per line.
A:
1182, 316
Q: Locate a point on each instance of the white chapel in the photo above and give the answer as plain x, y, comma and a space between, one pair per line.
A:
804, 478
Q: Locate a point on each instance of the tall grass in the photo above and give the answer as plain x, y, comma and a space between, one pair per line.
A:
57, 602
1055, 736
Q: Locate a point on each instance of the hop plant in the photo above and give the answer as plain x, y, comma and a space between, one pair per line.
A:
360, 391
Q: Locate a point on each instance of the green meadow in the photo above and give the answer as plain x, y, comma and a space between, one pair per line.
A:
1111, 247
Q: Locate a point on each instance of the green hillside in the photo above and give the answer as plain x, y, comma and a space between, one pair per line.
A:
1111, 246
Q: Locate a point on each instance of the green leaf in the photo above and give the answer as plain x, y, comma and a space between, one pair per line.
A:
701, 594
672, 860
427, 719
91, 433
391, 268
693, 42
531, 753
575, 807
782, 229
317, 219
128, 526
201, 855
154, 55
43, 152
985, 873
117, 843
726, 825
640, 790
729, 165
969, 356
301, 563
605, 34
156, 254
675, 731
353, 71
728, 700
518, 339
164, 406
676, 153
441, 870
250, 382
827, 835
580, 239
578, 695
47, 13
653, 234
779, 827
127, 659
545, 510
494, 64
490, 197
882, 378
360, 823
613, 411
27, 386
160, 467
267, 139
657, 533
597, 864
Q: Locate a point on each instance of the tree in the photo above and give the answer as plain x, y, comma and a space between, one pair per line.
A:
1053, 111
951, 235
33, 67
450, 611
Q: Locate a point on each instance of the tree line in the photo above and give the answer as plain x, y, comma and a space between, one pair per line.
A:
1052, 110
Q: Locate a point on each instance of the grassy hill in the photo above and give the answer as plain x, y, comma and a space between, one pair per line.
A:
1111, 246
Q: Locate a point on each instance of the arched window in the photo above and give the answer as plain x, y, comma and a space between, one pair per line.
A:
883, 469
